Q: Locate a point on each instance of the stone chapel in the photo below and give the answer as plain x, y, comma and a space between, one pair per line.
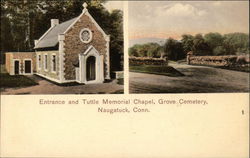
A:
76, 50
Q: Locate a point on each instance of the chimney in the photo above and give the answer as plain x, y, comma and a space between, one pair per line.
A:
54, 22
36, 41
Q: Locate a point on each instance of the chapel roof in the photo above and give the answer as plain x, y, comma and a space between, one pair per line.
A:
51, 38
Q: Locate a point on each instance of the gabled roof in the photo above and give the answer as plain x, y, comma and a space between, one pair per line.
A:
50, 38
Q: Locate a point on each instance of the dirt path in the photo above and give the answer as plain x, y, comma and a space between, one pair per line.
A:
197, 79
46, 87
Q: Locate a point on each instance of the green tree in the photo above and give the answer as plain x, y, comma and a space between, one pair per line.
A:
215, 42
142, 50
236, 43
133, 50
145, 50
174, 49
153, 49
219, 50
6, 40
21, 16
200, 47
116, 31
213, 39
187, 42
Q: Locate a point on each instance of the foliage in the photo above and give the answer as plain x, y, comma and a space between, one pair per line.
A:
146, 50
200, 47
116, 39
23, 21
174, 49
214, 40
236, 43
216, 44
219, 50
187, 42
209, 44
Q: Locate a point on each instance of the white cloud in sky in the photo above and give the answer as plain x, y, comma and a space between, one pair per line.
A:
169, 18
179, 10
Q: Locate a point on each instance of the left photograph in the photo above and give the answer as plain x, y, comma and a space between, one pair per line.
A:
61, 47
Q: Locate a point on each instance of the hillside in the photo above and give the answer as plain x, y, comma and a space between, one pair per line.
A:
146, 40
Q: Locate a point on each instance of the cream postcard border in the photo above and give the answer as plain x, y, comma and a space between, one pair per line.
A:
218, 129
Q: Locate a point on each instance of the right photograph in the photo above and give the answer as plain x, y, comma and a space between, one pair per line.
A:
188, 46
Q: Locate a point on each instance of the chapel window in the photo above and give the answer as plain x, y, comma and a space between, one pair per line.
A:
54, 63
39, 61
45, 62
86, 35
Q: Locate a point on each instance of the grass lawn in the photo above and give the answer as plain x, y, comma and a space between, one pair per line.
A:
156, 69
8, 81
120, 81
2, 69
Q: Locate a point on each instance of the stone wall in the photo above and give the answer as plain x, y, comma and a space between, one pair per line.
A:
241, 63
74, 46
8, 57
41, 70
220, 61
21, 56
147, 61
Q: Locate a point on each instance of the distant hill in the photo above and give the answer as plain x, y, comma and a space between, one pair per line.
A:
160, 41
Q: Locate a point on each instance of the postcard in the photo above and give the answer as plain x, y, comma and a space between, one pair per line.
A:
84, 78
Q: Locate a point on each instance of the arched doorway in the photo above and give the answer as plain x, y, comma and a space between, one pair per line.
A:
91, 68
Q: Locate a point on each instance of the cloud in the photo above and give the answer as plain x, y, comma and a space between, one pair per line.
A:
167, 18
179, 10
